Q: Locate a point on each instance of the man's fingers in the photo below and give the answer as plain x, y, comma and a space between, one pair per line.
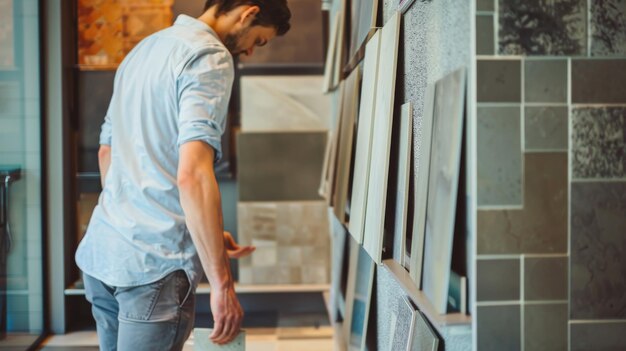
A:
241, 252
218, 328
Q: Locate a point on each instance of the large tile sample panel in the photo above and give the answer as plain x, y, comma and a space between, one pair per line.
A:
498, 328
548, 28
545, 327
598, 250
95, 89
301, 45
381, 139
608, 27
596, 81
445, 158
499, 156
541, 226
599, 142
280, 166
598, 336
283, 103
358, 296
291, 239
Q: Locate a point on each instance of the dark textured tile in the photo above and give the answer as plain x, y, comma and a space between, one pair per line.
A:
540, 27
608, 27
485, 5
485, 41
545, 278
607, 336
545, 81
599, 142
598, 251
499, 156
545, 327
545, 128
499, 81
301, 44
498, 280
598, 81
280, 166
498, 328
541, 226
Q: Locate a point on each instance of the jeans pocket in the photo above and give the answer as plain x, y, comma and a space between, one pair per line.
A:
139, 302
185, 288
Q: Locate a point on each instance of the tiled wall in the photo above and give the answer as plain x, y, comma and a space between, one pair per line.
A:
20, 145
551, 155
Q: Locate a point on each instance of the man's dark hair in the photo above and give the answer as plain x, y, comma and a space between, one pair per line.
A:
273, 13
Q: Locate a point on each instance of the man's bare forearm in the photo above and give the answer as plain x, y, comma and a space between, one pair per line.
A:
104, 161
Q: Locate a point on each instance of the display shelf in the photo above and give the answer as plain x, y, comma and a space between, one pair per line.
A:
439, 321
204, 288
85, 67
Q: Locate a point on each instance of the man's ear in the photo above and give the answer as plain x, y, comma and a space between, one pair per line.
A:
249, 14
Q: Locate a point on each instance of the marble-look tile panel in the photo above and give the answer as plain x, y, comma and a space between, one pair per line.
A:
485, 40
498, 280
545, 327
280, 166
498, 328
598, 251
499, 80
597, 336
596, 81
545, 81
542, 27
608, 27
599, 142
545, 278
541, 226
545, 128
499, 156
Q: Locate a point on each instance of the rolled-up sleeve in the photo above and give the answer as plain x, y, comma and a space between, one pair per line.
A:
204, 87
106, 130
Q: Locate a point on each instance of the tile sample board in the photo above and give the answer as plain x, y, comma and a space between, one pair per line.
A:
349, 110
443, 185
381, 139
331, 52
420, 200
363, 18
330, 157
402, 181
280, 166
358, 296
283, 103
301, 45
339, 240
362, 155
402, 325
424, 337
292, 242
201, 341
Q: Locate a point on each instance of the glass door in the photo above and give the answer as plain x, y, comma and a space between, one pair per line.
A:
21, 265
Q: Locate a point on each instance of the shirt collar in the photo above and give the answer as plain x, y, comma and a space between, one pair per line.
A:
184, 20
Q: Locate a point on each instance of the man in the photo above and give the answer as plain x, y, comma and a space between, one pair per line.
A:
158, 222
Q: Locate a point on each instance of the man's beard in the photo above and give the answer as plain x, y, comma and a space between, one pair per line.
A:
231, 41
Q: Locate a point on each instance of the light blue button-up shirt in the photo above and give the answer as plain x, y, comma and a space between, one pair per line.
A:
172, 88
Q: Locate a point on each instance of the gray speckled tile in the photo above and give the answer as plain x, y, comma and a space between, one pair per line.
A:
548, 28
598, 336
599, 142
499, 156
280, 166
545, 128
485, 41
424, 336
485, 5
498, 280
541, 226
545, 80
545, 278
608, 27
499, 80
598, 251
498, 328
545, 327
596, 81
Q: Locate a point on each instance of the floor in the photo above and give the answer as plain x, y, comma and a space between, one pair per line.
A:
257, 339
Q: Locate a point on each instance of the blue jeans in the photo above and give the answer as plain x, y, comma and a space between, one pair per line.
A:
156, 316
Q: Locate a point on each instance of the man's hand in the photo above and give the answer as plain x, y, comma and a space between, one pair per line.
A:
227, 315
233, 249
